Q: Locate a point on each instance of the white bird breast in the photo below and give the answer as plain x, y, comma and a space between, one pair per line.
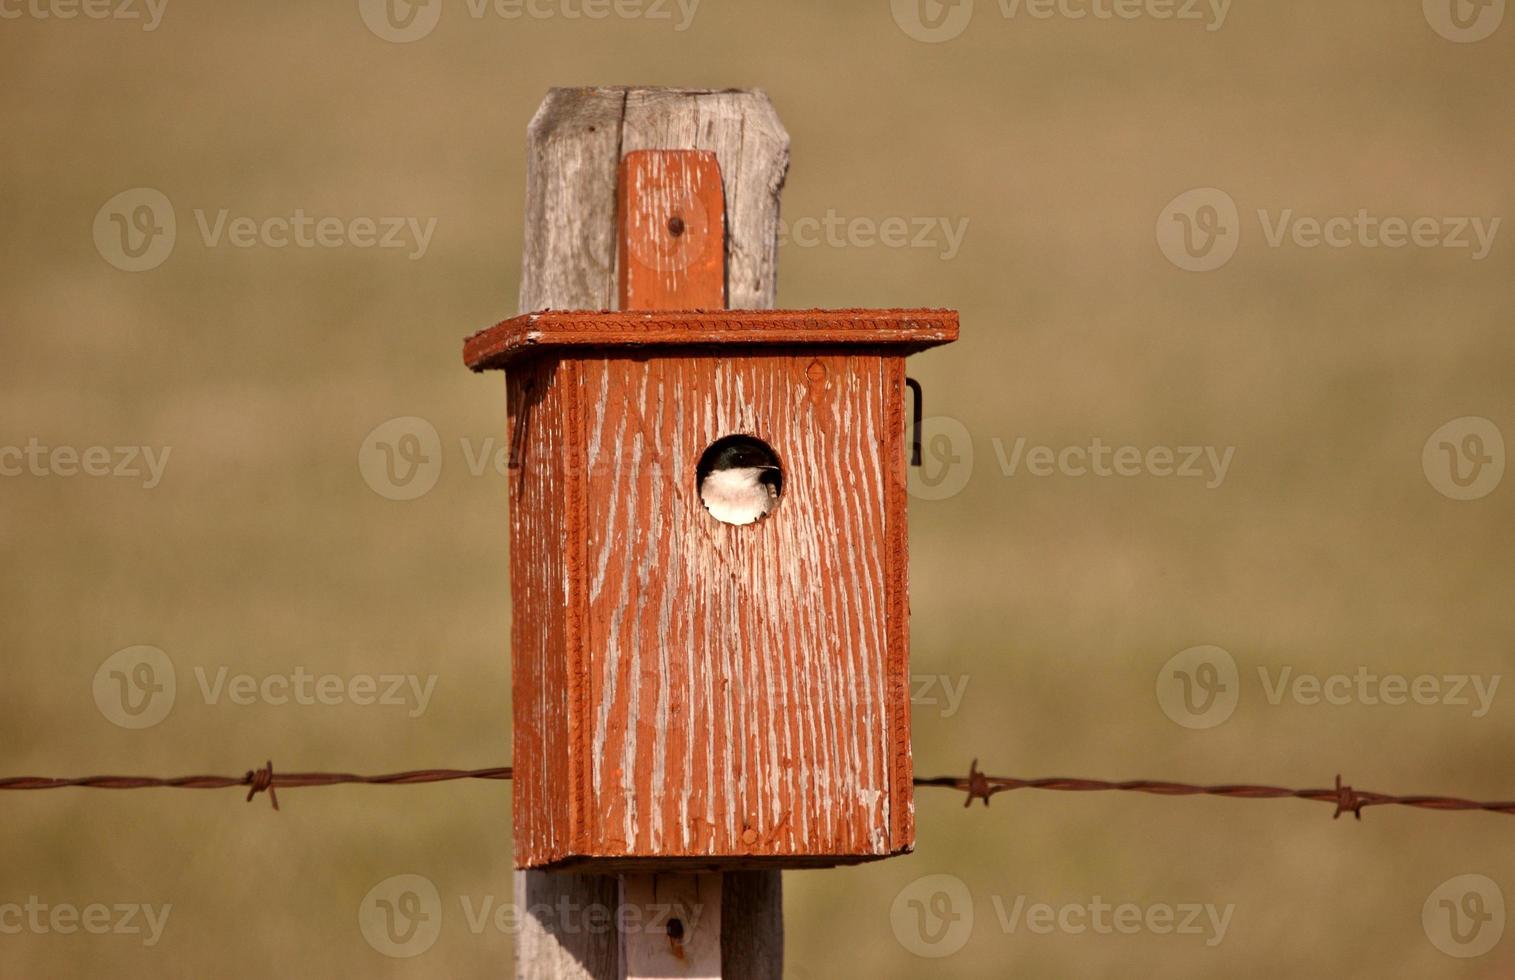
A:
736, 496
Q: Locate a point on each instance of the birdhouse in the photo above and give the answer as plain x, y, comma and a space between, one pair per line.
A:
708, 575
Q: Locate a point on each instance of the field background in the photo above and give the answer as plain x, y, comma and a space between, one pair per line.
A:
1056, 600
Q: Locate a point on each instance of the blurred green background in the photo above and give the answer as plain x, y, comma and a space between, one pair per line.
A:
1055, 144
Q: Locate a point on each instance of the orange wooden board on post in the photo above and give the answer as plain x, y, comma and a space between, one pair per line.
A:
671, 231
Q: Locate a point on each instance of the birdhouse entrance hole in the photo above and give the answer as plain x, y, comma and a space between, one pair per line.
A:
739, 479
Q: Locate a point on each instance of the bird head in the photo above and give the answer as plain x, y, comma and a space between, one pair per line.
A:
743, 456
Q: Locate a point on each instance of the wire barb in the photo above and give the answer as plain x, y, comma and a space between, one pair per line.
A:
1347, 801
262, 779
978, 786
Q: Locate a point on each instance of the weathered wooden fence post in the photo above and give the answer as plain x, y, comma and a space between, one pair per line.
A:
576, 142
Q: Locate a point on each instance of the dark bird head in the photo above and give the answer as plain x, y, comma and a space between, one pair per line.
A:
742, 456
742, 453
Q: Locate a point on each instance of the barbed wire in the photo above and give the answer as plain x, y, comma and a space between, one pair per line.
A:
256, 780
977, 786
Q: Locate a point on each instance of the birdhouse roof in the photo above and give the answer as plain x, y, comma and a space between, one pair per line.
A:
636, 331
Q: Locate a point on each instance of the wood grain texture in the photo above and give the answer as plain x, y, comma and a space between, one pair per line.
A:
544, 636
689, 693
692, 950
533, 334
897, 614
741, 676
573, 146
549, 948
672, 231
752, 147
752, 925
575, 142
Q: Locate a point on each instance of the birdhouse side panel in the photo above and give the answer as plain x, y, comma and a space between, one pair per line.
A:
897, 529
748, 684
546, 490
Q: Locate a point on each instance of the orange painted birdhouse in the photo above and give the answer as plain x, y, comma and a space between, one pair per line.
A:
698, 685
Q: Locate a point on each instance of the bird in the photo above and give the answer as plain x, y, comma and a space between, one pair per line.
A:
741, 482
